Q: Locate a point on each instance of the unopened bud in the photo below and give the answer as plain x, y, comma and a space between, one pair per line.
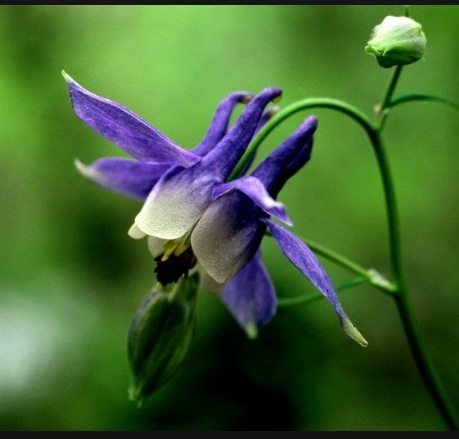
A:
397, 41
160, 335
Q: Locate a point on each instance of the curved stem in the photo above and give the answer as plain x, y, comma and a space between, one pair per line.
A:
395, 246
411, 97
404, 306
312, 297
371, 276
288, 111
399, 289
421, 357
424, 363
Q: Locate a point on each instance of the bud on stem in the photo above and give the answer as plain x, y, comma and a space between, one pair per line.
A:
160, 335
397, 41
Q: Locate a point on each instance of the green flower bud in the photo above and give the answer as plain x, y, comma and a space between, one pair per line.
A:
160, 335
397, 41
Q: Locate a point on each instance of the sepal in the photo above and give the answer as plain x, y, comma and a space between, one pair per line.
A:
160, 335
397, 41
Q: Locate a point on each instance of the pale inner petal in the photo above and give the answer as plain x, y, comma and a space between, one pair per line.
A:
210, 284
135, 233
220, 243
155, 245
172, 209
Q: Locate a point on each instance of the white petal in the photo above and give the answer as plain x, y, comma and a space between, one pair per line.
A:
155, 245
135, 233
172, 208
220, 246
210, 284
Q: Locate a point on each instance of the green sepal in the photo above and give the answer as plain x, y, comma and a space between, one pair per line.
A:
397, 41
160, 335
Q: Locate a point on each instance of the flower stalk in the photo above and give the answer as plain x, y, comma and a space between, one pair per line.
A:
398, 288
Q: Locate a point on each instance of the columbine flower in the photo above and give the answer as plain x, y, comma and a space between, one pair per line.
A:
227, 238
192, 216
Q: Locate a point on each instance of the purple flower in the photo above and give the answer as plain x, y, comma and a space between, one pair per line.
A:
193, 216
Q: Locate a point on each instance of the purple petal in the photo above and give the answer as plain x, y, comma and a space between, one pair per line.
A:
253, 188
267, 115
129, 177
250, 296
222, 159
306, 261
125, 129
220, 121
287, 158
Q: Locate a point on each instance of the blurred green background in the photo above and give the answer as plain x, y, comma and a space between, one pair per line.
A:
71, 279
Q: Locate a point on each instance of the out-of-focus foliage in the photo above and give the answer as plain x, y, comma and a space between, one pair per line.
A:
71, 279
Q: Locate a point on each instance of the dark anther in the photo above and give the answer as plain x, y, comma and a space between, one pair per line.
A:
174, 267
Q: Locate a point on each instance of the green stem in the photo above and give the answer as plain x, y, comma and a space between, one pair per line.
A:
371, 276
387, 181
288, 111
390, 90
312, 297
424, 363
421, 357
399, 290
411, 97
395, 246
